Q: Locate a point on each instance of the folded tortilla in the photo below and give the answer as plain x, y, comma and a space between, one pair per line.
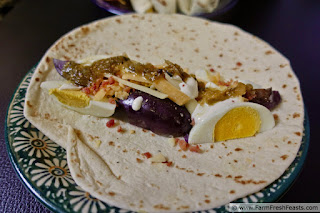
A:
191, 7
115, 171
141, 6
165, 6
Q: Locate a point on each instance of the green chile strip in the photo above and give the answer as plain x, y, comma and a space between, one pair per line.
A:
84, 75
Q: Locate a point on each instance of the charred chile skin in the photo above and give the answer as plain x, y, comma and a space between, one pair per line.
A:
161, 116
265, 97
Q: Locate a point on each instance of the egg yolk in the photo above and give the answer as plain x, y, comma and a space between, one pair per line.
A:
71, 98
239, 122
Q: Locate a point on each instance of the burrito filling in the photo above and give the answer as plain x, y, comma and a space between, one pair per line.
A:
165, 98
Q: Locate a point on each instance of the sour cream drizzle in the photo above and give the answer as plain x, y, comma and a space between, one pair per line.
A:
190, 87
137, 103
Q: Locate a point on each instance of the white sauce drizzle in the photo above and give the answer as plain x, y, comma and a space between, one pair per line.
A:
137, 103
190, 87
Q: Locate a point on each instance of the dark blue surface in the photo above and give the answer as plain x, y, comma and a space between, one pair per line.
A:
291, 26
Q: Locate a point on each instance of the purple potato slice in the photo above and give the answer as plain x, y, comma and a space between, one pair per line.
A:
265, 97
161, 116
59, 64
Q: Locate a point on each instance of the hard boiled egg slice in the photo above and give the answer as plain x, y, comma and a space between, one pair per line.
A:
229, 119
76, 100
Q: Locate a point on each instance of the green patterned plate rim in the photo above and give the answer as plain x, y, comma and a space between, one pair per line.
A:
41, 165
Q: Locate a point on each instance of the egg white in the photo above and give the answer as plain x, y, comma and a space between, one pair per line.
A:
95, 108
206, 117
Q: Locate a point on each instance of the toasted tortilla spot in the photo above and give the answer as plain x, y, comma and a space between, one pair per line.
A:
47, 116
269, 52
207, 201
232, 192
298, 97
284, 86
244, 182
139, 160
183, 207
161, 206
284, 157
29, 104
238, 149
85, 30
218, 175
298, 133
111, 193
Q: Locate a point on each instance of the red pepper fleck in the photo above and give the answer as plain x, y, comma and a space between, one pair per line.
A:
127, 89
224, 83
94, 86
104, 83
111, 80
195, 149
112, 101
212, 70
193, 122
169, 163
86, 90
239, 64
183, 144
98, 83
119, 129
147, 154
110, 123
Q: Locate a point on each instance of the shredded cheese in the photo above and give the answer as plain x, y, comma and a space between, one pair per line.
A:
139, 87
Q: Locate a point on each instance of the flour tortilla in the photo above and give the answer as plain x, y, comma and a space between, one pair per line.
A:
191, 7
225, 171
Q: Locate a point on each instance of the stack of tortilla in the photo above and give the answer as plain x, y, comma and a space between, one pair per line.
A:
110, 165
188, 7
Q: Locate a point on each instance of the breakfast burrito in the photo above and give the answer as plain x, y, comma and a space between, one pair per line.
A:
191, 7
168, 113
